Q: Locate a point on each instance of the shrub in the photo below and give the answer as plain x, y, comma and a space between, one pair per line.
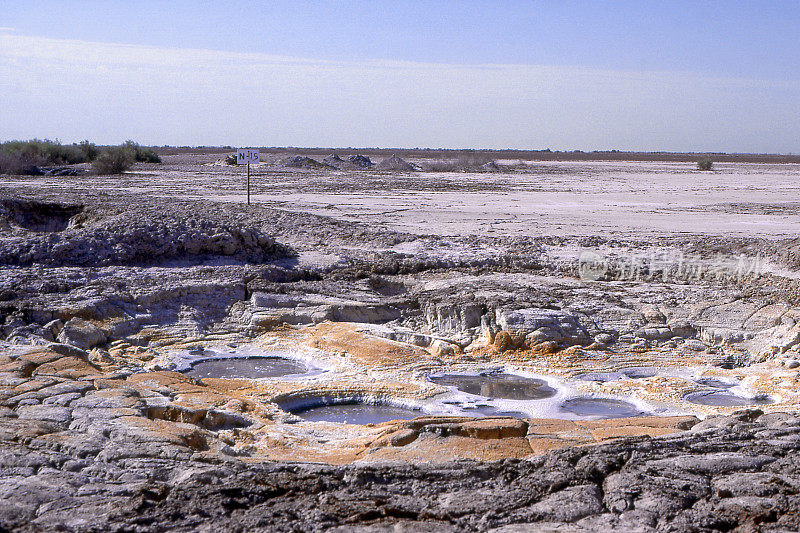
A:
114, 160
90, 150
142, 153
18, 156
18, 162
705, 164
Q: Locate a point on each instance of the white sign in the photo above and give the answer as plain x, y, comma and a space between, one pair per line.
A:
246, 155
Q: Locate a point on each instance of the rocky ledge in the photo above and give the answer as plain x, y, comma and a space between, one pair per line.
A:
740, 471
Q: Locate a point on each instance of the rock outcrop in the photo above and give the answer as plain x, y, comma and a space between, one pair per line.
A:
81, 334
137, 235
106, 474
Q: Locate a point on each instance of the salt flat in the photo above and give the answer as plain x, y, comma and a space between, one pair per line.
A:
567, 198
631, 199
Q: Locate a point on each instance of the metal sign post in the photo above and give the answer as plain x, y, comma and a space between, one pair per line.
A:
247, 155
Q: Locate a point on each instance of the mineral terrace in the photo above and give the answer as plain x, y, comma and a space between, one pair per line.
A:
528, 346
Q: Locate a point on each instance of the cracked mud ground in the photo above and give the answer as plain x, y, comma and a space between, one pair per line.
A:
110, 288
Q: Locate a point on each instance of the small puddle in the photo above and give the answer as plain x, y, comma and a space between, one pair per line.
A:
640, 372
356, 413
246, 367
497, 385
625, 373
600, 407
715, 383
724, 398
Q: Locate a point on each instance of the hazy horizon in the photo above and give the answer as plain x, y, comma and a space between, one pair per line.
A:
632, 84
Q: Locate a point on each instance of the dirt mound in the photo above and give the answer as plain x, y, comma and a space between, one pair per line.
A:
471, 163
337, 162
333, 160
395, 163
228, 160
354, 162
299, 161
133, 235
360, 161
491, 166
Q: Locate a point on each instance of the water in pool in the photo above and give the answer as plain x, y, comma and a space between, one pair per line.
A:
497, 385
724, 398
638, 372
600, 407
715, 383
246, 367
357, 413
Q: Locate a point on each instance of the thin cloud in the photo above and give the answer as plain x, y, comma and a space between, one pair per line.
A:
108, 92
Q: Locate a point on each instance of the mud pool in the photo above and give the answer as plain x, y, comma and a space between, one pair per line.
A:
356, 413
246, 367
625, 373
600, 408
497, 385
726, 398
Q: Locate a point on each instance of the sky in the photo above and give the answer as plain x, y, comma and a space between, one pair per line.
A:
589, 75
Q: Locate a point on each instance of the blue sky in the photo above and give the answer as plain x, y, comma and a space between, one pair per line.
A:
632, 75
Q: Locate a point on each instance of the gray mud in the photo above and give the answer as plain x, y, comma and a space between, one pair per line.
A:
356, 413
600, 408
246, 367
497, 385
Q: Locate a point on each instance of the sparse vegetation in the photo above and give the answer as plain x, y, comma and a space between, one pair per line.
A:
142, 154
89, 149
705, 164
16, 157
114, 160
16, 162
25, 157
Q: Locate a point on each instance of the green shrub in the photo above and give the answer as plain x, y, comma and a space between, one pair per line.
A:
142, 153
705, 164
18, 155
114, 160
90, 150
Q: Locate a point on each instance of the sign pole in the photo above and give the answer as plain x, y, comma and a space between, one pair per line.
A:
247, 155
